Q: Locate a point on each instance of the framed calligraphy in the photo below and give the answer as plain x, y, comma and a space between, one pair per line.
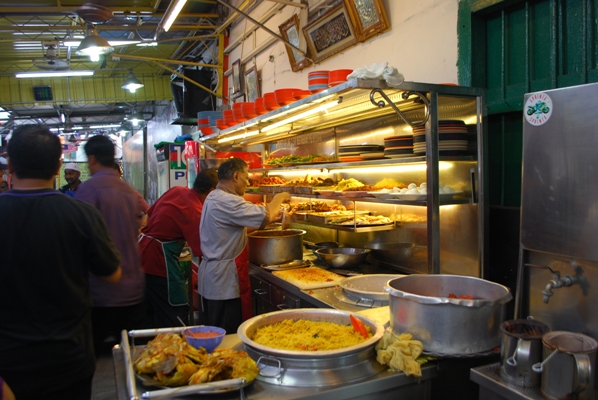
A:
252, 87
330, 34
368, 17
291, 33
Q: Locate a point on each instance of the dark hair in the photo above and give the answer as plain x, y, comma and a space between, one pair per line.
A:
34, 152
227, 169
206, 180
102, 148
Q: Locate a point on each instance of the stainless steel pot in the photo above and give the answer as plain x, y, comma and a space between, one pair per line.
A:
419, 304
367, 286
275, 246
313, 368
394, 253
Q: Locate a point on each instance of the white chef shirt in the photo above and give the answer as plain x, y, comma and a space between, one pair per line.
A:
224, 220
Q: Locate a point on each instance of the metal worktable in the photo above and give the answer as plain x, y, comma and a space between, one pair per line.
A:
384, 385
492, 386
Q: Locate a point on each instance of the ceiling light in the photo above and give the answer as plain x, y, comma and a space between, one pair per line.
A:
53, 74
94, 46
132, 83
76, 43
172, 12
147, 44
104, 126
135, 118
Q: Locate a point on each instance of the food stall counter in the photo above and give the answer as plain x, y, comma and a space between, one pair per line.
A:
384, 385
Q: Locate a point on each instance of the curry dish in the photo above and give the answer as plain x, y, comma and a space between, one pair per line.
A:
305, 335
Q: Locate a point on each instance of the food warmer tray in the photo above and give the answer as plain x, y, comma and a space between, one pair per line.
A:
385, 385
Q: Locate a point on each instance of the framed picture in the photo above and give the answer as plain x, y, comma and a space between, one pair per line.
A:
330, 34
236, 76
252, 84
368, 17
291, 33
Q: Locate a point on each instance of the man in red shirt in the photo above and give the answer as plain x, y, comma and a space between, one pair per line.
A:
172, 221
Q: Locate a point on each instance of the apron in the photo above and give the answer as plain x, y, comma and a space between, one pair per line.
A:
176, 281
242, 263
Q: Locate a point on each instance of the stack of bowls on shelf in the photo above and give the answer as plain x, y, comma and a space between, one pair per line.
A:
229, 118
238, 112
284, 96
452, 138
248, 110
259, 106
360, 152
208, 121
398, 146
317, 81
270, 103
338, 76
220, 124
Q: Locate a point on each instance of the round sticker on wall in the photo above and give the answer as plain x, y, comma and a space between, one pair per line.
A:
538, 109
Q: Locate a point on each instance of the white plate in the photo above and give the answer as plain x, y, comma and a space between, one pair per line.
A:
328, 193
355, 193
419, 197
380, 195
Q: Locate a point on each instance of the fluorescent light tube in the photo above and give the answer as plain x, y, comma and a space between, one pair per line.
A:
53, 74
305, 114
171, 14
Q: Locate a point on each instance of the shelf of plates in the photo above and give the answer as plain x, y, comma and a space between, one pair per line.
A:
425, 108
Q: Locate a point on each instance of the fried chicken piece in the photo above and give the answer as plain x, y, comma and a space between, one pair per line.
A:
165, 352
183, 372
226, 364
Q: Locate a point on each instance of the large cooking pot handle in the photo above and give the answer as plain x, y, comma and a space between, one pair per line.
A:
539, 367
269, 371
584, 369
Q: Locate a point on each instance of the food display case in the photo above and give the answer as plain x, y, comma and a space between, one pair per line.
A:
428, 136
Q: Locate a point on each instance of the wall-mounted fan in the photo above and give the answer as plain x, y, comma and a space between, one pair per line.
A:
51, 59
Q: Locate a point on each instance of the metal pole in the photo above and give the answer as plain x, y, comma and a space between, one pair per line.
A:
145, 162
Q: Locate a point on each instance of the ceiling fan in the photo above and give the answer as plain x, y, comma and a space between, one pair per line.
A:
51, 59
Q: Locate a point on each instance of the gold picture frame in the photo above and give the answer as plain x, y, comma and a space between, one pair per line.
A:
252, 84
368, 18
236, 77
330, 34
290, 31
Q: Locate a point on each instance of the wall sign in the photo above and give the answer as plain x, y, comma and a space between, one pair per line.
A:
42, 93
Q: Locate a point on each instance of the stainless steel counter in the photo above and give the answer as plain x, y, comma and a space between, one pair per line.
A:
492, 386
384, 385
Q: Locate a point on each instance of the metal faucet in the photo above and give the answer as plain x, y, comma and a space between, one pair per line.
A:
558, 282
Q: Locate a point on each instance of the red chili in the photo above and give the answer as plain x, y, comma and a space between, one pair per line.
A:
359, 326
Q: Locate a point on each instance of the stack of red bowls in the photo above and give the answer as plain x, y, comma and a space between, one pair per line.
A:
284, 96
238, 111
317, 81
259, 106
220, 124
206, 130
338, 76
229, 118
202, 122
248, 110
270, 101
299, 94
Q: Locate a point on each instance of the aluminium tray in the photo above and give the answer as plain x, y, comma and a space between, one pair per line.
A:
324, 217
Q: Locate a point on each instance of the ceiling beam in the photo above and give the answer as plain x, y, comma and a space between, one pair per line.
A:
82, 28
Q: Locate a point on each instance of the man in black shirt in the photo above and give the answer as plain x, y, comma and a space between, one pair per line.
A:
49, 244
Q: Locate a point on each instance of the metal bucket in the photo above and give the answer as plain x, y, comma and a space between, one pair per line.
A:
419, 304
275, 246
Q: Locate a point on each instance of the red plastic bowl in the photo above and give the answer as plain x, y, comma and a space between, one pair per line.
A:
248, 110
259, 106
270, 101
339, 75
301, 94
284, 96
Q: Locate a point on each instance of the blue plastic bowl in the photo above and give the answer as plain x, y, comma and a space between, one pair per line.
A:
207, 343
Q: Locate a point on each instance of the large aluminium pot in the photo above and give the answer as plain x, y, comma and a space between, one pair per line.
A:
312, 368
419, 304
275, 246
